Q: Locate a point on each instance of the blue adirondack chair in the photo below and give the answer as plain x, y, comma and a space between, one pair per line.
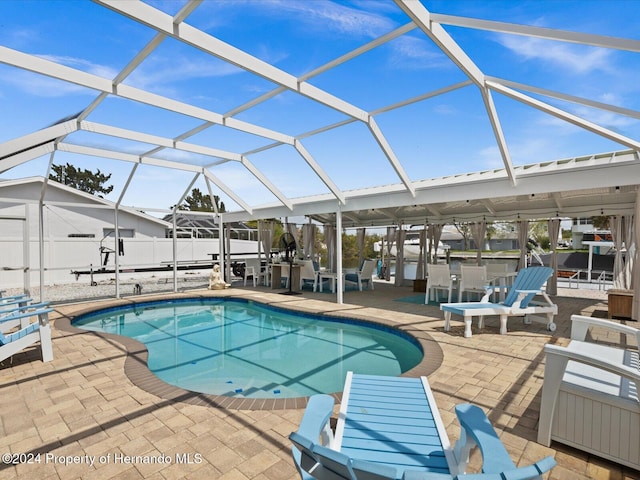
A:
518, 302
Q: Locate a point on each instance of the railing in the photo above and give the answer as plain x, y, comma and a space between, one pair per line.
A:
604, 278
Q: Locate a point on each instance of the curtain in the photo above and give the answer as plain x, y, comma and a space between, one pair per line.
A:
420, 268
618, 234
391, 233
308, 239
293, 231
478, 232
400, 236
554, 231
330, 241
628, 225
266, 235
360, 232
523, 238
435, 232
632, 254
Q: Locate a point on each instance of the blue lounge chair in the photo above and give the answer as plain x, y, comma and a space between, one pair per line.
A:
314, 424
12, 342
518, 302
375, 440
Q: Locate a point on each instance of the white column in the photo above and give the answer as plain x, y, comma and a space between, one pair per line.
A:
339, 279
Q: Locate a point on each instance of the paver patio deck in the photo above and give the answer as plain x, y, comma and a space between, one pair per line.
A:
87, 404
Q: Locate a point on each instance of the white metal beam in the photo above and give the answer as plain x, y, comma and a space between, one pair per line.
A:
569, 98
498, 133
40, 137
318, 171
556, 112
422, 17
540, 32
230, 193
266, 182
162, 22
67, 74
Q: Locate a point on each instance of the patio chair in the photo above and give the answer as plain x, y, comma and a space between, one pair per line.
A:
364, 275
314, 424
252, 269
12, 342
519, 302
389, 428
438, 278
308, 274
591, 392
473, 279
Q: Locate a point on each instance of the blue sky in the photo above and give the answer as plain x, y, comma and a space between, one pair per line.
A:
445, 135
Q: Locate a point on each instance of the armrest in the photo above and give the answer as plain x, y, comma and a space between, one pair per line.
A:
10, 313
580, 326
475, 429
315, 420
619, 369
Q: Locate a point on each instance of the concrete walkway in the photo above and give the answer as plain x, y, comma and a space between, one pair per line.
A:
86, 406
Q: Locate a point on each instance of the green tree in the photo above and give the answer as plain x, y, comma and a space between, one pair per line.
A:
198, 202
600, 222
83, 180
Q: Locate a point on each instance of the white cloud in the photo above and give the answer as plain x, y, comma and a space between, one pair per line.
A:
579, 59
82, 64
417, 54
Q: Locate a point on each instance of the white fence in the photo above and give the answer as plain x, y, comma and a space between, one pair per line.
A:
64, 255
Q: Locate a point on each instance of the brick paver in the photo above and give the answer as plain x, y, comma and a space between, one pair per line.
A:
88, 405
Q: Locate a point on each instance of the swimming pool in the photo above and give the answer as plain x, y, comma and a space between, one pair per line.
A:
236, 347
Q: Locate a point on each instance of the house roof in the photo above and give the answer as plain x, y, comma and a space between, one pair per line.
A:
27, 191
308, 145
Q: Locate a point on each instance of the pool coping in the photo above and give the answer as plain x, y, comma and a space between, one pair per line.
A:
136, 370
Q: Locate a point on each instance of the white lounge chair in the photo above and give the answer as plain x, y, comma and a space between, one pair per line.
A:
519, 302
590, 393
364, 275
438, 278
17, 333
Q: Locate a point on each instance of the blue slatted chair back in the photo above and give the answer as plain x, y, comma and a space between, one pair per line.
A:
531, 278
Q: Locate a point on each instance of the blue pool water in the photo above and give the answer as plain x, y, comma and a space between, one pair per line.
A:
239, 348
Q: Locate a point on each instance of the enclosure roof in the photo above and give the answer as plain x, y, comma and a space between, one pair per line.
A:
398, 111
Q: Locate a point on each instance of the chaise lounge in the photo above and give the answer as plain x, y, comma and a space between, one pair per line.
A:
390, 428
519, 302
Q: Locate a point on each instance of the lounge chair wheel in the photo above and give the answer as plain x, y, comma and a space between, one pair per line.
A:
551, 327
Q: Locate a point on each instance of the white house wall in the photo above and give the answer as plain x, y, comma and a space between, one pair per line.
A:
61, 222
